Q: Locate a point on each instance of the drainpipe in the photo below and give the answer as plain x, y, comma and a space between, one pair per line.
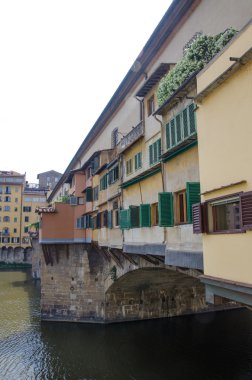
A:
162, 167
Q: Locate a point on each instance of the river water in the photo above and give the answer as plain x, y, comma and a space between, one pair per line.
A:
211, 346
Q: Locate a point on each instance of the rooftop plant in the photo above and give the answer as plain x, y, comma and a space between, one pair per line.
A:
202, 49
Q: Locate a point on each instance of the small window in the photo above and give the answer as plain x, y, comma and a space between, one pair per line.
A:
150, 105
114, 138
181, 214
116, 218
15, 219
129, 166
154, 214
26, 219
6, 218
14, 230
26, 229
138, 160
224, 215
155, 152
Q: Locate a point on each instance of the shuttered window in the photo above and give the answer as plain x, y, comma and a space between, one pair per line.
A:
124, 219
104, 182
89, 194
138, 160
192, 197
113, 175
145, 215
155, 152
165, 210
96, 193
134, 216
110, 219
181, 127
129, 166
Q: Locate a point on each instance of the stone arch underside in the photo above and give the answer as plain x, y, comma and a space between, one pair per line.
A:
153, 293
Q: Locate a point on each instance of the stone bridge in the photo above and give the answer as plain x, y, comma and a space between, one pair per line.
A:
88, 283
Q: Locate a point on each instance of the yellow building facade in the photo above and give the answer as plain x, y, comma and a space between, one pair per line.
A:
18, 201
225, 156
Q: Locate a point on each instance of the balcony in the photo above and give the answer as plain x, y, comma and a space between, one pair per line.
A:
131, 137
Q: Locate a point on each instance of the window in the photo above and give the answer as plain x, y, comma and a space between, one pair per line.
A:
5, 240
15, 240
113, 175
7, 208
15, 209
6, 219
96, 193
150, 105
89, 171
7, 199
26, 229
104, 182
6, 231
138, 160
1, 190
14, 230
89, 194
155, 152
182, 126
181, 214
228, 214
16, 200
81, 201
129, 166
26, 209
114, 138
7, 190
116, 218
154, 214
15, 220
26, 219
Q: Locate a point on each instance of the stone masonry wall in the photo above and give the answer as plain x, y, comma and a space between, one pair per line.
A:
81, 284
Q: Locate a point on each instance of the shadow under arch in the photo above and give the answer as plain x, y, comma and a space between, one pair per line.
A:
155, 292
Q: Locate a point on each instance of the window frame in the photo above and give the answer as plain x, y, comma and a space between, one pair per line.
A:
209, 208
150, 105
178, 208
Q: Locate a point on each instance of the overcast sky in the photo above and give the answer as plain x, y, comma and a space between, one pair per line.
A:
60, 63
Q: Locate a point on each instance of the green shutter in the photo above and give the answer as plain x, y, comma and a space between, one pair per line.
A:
185, 123
192, 118
173, 132
178, 129
145, 215
134, 216
151, 154
192, 197
158, 142
124, 219
168, 139
89, 194
165, 210
110, 219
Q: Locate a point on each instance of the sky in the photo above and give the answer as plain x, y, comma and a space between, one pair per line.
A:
60, 63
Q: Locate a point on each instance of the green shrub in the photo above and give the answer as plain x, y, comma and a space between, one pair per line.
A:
196, 56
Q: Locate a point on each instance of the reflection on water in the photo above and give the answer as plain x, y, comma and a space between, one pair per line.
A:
211, 346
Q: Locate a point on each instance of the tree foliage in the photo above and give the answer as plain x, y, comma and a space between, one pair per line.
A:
196, 56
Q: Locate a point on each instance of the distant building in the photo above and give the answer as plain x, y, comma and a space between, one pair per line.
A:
18, 201
48, 179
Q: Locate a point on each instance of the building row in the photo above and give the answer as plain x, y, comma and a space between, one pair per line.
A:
171, 179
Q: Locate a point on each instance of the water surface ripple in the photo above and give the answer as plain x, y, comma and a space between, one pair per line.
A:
213, 346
